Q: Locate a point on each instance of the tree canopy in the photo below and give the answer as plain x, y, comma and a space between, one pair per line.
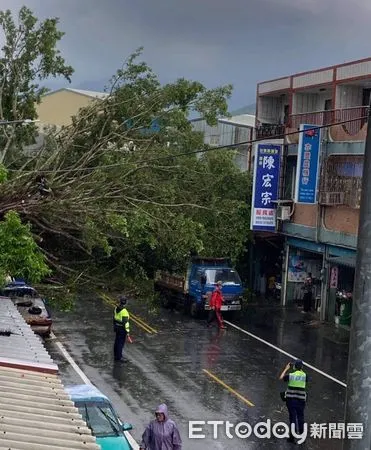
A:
28, 57
122, 189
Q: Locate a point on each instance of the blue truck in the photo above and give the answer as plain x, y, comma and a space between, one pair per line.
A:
192, 290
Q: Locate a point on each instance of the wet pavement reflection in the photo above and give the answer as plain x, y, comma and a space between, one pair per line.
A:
176, 365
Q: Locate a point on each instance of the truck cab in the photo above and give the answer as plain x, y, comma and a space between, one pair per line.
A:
202, 276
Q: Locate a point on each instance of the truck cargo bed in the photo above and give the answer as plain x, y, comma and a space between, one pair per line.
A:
173, 282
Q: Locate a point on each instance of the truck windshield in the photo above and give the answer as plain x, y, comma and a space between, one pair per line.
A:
227, 276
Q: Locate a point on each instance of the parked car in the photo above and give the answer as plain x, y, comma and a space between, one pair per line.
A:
31, 306
100, 416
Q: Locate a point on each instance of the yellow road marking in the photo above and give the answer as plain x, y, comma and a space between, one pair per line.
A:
135, 317
107, 299
143, 322
139, 322
232, 391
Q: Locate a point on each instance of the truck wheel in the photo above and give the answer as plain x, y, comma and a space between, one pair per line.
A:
165, 301
194, 310
186, 306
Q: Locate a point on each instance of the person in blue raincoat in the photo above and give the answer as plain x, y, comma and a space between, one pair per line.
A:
161, 433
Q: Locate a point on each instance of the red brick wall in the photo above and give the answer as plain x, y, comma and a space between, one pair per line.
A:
305, 215
335, 218
341, 218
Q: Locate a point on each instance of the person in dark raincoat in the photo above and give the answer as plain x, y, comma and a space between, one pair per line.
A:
161, 433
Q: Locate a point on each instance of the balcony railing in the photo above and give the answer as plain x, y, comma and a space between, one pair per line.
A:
351, 119
270, 131
348, 123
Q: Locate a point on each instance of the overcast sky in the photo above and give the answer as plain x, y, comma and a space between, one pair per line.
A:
231, 41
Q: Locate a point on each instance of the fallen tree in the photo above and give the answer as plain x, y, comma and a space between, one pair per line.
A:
123, 191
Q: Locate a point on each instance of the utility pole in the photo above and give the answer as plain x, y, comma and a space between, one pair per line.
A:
358, 395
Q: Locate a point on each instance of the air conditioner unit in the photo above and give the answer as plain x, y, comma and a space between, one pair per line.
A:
283, 213
332, 198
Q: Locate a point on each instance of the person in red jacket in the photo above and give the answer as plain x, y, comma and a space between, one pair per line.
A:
216, 302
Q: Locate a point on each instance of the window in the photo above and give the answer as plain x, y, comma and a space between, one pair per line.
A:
227, 276
198, 275
19, 292
100, 418
289, 183
366, 97
343, 174
286, 114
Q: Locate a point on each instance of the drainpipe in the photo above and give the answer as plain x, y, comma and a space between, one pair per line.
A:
249, 156
324, 286
323, 148
285, 275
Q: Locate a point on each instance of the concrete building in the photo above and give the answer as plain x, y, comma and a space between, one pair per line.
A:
229, 131
320, 236
58, 107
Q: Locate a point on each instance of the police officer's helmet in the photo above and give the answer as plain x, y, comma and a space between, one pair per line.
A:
298, 364
123, 300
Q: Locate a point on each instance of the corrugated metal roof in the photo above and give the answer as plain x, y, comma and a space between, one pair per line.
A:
94, 94
36, 413
247, 120
23, 348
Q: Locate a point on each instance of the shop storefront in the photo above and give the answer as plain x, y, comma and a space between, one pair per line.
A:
303, 258
341, 264
333, 271
265, 262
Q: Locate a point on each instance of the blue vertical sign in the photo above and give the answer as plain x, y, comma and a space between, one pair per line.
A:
265, 187
308, 164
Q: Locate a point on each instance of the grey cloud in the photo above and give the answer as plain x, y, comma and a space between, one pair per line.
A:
215, 41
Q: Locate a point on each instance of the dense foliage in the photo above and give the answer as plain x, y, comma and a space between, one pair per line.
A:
123, 191
29, 56
19, 253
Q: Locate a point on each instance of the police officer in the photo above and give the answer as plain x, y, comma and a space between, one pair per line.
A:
121, 327
295, 395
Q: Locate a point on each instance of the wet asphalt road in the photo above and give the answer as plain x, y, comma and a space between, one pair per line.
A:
177, 364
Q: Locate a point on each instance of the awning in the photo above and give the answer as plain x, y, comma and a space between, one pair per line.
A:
306, 245
347, 261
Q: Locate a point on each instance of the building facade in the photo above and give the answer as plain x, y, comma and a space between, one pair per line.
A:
58, 107
320, 235
229, 131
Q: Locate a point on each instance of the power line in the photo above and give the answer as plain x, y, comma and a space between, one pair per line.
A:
221, 147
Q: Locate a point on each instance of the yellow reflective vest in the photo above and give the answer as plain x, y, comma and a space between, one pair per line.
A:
121, 319
296, 386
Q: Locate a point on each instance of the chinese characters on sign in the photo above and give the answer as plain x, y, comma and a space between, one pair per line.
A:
265, 189
334, 277
308, 162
